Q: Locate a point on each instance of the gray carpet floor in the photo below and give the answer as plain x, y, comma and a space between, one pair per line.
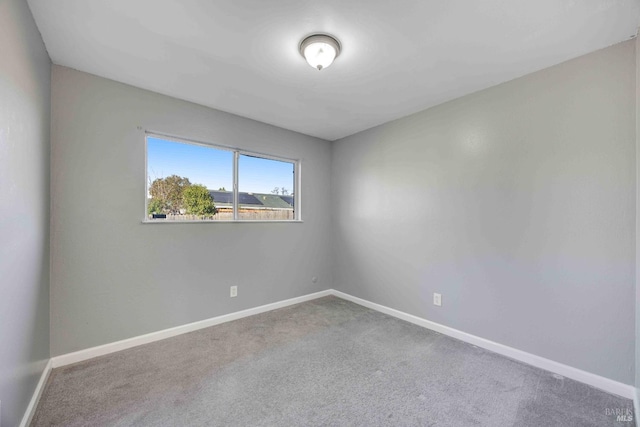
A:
324, 362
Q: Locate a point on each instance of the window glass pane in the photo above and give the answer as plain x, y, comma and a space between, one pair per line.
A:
187, 182
266, 189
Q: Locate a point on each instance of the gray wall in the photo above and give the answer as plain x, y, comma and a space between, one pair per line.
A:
517, 203
24, 203
637, 47
113, 277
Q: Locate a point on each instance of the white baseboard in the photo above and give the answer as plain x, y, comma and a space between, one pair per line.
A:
591, 379
33, 404
636, 405
90, 353
605, 384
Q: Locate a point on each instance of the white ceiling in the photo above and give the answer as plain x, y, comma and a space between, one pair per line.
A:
398, 57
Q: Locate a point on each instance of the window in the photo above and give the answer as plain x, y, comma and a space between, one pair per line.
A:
190, 181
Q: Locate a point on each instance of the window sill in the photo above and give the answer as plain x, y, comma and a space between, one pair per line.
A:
223, 222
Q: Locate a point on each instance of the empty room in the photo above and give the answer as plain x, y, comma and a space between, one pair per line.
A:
345, 213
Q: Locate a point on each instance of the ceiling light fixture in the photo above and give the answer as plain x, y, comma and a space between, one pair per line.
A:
320, 50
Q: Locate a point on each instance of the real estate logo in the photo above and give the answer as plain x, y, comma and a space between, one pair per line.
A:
621, 414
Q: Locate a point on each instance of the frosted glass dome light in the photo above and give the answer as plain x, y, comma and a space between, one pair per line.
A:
320, 50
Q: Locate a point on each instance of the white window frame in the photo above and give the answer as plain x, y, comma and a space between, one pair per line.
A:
237, 152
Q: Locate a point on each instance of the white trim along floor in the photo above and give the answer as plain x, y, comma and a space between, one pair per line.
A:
597, 381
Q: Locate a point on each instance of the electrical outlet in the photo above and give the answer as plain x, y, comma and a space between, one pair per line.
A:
437, 299
233, 291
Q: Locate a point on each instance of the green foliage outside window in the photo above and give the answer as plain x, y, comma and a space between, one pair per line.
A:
176, 195
198, 201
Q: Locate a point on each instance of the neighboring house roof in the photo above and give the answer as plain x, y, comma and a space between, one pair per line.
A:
252, 200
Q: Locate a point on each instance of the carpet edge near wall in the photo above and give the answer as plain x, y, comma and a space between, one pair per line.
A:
605, 384
37, 394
